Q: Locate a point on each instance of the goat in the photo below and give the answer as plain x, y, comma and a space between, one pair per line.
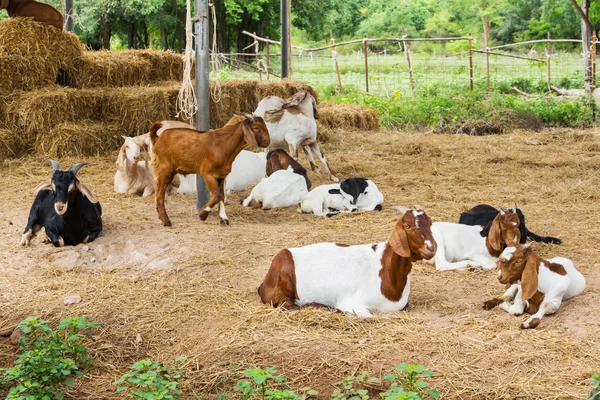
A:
484, 214
537, 286
210, 154
132, 177
40, 12
67, 210
352, 279
283, 188
279, 159
365, 194
292, 123
461, 246
247, 170
327, 200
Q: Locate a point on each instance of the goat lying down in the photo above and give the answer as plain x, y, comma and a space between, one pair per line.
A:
537, 286
352, 279
351, 194
67, 210
461, 246
292, 124
484, 214
283, 188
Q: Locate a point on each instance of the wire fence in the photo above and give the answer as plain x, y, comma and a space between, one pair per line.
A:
436, 65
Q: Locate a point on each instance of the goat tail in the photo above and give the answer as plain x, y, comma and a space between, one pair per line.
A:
153, 130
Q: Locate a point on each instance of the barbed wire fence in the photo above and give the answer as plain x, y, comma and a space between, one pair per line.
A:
406, 66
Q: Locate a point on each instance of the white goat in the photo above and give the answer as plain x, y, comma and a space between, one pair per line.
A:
327, 200
247, 170
538, 286
131, 176
293, 124
461, 246
283, 188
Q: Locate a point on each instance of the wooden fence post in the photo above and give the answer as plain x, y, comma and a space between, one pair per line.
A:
594, 39
366, 64
548, 54
470, 61
334, 56
268, 60
410, 71
257, 58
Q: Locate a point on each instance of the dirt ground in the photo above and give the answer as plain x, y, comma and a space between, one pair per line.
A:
191, 289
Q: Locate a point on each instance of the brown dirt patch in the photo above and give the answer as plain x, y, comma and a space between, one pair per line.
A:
191, 290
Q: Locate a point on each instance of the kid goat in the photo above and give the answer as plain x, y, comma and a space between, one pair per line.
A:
352, 279
462, 246
65, 208
210, 154
538, 286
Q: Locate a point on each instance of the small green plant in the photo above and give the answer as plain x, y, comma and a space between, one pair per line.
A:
346, 387
595, 393
407, 383
258, 386
152, 381
50, 359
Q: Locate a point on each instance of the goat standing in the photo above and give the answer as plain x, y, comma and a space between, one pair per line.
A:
293, 123
210, 154
66, 209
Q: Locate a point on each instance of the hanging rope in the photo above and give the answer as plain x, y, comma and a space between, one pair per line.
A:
215, 60
186, 99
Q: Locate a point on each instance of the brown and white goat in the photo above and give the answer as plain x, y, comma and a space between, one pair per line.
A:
462, 246
279, 159
352, 279
210, 154
537, 286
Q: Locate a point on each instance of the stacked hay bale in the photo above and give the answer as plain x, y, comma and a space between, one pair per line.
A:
57, 99
345, 116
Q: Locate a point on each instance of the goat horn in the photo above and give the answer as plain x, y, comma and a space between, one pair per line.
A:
249, 116
516, 206
417, 207
55, 165
75, 168
502, 211
401, 209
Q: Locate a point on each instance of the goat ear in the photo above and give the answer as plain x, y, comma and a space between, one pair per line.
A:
120, 164
315, 110
249, 136
43, 186
273, 164
399, 241
86, 192
495, 235
334, 191
529, 278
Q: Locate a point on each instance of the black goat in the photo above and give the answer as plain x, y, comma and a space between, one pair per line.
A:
65, 208
484, 214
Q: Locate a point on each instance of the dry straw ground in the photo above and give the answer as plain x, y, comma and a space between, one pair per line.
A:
191, 289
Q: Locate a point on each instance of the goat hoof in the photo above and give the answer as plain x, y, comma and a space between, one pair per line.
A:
224, 221
488, 305
242, 200
167, 223
203, 215
333, 178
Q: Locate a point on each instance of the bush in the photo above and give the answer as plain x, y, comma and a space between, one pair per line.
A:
152, 381
595, 393
50, 358
261, 386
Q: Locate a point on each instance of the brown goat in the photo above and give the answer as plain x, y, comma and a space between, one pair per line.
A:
32, 9
279, 159
210, 154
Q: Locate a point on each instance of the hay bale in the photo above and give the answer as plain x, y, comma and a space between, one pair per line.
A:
84, 138
335, 115
32, 54
109, 69
10, 144
124, 68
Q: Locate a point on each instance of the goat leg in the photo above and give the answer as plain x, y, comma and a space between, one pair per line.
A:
314, 146
311, 160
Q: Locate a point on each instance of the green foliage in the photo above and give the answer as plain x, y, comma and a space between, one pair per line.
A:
50, 359
595, 382
352, 387
152, 381
407, 383
264, 384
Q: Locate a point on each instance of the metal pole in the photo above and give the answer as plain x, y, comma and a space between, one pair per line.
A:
202, 86
69, 23
548, 54
285, 68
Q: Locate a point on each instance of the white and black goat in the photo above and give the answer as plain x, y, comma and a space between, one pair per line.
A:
292, 124
351, 194
352, 279
537, 286
461, 246
484, 214
67, 210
